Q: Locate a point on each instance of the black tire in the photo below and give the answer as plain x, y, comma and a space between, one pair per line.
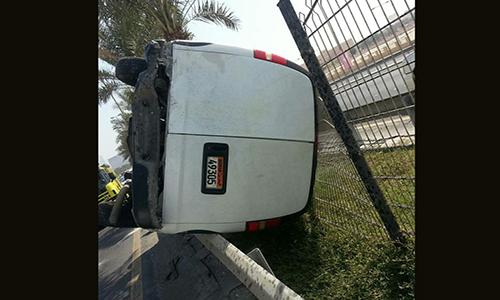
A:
116, 212
126, 217
103, 213
130, 141
128, 69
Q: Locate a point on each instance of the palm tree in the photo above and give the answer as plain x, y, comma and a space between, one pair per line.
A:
126, 26
120, 122
174, 16
108, 85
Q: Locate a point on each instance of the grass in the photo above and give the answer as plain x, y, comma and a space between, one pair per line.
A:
339, 250
341, 196
400, 192
317, 263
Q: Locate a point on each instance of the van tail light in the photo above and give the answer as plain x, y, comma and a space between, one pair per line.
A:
269, 57
264, 224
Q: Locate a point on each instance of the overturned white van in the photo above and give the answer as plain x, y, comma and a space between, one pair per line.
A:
222, 138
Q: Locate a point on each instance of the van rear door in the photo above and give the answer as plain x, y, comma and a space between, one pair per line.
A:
252, 121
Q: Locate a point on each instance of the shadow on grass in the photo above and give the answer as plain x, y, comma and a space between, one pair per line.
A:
291, 250
319, 263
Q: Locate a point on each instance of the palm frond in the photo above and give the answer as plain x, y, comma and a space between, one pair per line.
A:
210, 11
105, 75
127, 96
107, 85
120, 126
105, 91
186, 7
124, 28
167, 14
108, 56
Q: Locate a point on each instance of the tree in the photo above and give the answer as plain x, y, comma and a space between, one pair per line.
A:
120, 122
107, 86
126, 26
174, 16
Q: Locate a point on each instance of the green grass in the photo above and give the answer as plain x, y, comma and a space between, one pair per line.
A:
342, 195
399, 193
317, 263
339, 250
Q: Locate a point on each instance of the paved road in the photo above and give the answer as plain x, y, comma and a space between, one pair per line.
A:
376, 134
383, 80
386, 132
140, 264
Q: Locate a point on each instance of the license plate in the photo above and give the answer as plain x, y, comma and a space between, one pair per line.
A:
215, 173
214, 176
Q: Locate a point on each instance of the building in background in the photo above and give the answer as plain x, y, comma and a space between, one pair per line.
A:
102, 160
117, 161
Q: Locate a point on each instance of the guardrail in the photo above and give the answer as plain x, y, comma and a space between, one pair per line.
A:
258, 280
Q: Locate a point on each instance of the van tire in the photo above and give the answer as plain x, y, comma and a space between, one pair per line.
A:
128, 69
103, 213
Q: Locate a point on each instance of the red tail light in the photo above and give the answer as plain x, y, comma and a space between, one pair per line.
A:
273, 223
269, 57
252, 226
259, 225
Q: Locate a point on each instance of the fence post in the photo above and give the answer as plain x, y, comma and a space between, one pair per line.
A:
321, 83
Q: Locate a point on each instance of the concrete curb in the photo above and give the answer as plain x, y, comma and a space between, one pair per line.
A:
259, 281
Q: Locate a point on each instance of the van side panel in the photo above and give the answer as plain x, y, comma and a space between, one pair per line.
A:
232, 95
265, 179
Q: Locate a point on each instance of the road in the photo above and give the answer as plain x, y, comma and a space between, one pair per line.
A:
383, 80
376, 134
386, 132
139, 264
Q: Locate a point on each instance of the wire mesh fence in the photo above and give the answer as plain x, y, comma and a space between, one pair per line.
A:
366, 49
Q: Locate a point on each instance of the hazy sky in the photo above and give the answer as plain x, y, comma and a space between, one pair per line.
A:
263, 28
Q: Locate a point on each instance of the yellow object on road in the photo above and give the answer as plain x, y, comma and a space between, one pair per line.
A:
108, 184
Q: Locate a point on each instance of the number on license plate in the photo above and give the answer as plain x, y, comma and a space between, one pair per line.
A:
215, 172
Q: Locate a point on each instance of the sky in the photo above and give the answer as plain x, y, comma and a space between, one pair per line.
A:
263, 28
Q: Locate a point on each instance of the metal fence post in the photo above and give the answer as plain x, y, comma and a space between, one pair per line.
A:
321, 83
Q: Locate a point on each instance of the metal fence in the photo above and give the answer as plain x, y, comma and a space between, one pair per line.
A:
366, 51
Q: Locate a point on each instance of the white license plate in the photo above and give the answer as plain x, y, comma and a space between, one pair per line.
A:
214, 178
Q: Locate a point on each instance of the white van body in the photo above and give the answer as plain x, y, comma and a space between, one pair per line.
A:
263, 111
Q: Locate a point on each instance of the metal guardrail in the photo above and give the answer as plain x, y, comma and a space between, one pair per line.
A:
263, 284
365, 58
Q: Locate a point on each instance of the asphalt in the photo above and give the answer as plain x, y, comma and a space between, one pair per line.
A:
376, 134
383, 80
387, 132
139, 264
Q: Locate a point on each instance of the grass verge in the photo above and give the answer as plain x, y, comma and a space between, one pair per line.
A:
318, 263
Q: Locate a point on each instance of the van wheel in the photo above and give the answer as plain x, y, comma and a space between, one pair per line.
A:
103, 213
128, 69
